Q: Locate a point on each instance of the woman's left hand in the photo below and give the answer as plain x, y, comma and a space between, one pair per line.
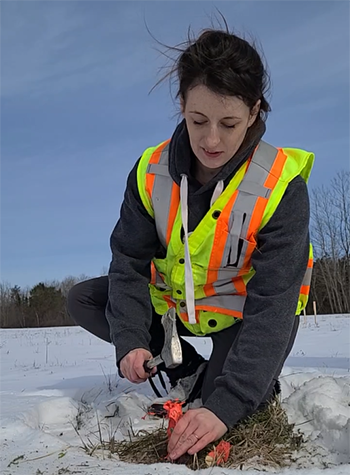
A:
194, 431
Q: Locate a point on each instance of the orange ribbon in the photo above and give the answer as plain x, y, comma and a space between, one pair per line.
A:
219, 455
174, 413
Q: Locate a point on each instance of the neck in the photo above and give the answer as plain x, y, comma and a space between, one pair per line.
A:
204, 174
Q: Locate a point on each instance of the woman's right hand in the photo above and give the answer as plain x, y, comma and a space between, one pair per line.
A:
132, 365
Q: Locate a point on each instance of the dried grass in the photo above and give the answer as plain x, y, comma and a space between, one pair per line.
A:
265, 439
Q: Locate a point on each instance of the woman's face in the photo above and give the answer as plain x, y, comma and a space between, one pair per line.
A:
216, 125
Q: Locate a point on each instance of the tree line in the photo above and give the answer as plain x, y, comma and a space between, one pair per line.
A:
330, 236
44, 304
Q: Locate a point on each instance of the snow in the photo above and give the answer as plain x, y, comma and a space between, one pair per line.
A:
54, 380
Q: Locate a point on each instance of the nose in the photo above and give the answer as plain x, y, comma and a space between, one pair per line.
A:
212, 138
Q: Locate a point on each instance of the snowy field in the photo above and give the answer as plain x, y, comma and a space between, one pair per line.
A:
57, 381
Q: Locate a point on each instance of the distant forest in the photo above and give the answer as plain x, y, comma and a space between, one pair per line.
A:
44, 304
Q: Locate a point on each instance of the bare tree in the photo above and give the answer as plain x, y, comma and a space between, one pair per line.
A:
5, 304
330, 232
68, 282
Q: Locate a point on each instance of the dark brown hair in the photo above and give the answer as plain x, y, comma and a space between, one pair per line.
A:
225, 63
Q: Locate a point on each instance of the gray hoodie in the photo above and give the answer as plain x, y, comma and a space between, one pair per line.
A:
280, 261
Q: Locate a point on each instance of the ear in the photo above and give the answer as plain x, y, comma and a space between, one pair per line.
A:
254, 113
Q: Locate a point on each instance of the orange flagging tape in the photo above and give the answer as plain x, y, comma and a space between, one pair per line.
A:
219, 455
174, 413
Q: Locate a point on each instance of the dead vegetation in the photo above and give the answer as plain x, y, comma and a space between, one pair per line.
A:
265, 439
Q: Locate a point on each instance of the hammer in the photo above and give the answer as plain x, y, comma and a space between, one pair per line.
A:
171, 354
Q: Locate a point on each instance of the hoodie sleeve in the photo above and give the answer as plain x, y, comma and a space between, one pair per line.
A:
280, 263
134, 243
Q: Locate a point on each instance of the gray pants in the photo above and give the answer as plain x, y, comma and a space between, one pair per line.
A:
86, 305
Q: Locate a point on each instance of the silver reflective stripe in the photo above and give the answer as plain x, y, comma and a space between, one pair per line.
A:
250, 189
258, 172
227, 273
235, 233
264, 157
230, 302
307, 277
160, 282
158, 169
224, 287
254, 188
161, 195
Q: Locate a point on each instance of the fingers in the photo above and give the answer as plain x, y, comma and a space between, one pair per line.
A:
188, 436
194, 431
200, 444
137, 375
180, 429
132, 366
139, 368
132, 375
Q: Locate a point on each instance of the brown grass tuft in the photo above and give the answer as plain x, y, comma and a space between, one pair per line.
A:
265, 439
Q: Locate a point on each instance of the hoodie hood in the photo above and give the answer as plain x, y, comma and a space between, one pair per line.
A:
182, 158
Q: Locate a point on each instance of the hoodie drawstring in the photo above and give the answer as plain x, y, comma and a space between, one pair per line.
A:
217, 192
189, 285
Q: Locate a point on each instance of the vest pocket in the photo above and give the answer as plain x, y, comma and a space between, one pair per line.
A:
230, 259
219, 269
234, 242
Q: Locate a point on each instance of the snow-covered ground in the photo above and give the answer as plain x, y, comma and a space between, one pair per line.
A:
57, 380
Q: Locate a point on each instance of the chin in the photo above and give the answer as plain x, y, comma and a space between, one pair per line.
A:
211, 165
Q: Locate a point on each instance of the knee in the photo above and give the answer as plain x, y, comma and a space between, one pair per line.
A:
85, 296
75, 300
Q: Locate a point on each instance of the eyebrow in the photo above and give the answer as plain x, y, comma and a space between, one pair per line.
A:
224, 118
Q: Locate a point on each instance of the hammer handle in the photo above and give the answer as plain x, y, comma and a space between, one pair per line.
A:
152, 363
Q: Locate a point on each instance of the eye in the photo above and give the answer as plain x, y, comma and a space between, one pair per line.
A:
198, 123
229, 126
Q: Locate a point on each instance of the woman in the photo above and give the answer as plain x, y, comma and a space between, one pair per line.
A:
214, 222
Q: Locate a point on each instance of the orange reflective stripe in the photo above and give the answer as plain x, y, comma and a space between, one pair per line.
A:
219, 242
310, 263
255, 221
153, 274
276, 169
155, 157
209, 290
260, 206
231, 313
184, 315
149, 184
305, 289
240, 286
174, 205
169, 301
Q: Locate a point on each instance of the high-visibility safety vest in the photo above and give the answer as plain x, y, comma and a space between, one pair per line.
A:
210, 294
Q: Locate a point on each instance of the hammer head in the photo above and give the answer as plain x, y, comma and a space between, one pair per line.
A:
172, 352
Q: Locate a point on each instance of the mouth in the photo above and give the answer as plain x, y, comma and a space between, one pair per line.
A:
212, 154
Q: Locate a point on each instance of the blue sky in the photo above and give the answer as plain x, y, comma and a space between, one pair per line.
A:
76, 111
